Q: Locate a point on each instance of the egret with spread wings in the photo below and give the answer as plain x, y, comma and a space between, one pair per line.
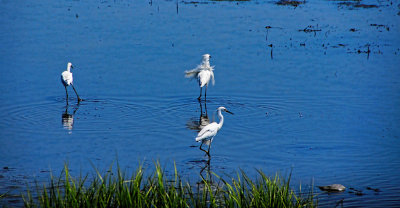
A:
204, 74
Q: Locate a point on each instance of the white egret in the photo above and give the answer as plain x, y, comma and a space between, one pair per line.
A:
67, 80
207, 134
204, 73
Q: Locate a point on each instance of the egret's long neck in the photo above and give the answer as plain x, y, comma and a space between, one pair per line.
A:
69, 68
206, 63
221, 119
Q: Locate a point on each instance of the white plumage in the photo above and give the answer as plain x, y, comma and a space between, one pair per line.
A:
67, 80
66, 77
207, 134
204, 74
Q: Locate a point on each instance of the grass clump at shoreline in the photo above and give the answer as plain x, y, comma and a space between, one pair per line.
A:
157, 190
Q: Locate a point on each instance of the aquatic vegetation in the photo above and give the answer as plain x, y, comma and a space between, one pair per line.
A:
159, 190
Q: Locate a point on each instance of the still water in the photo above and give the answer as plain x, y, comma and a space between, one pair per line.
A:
314, 88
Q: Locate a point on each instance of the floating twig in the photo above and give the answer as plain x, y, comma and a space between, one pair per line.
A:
309, 29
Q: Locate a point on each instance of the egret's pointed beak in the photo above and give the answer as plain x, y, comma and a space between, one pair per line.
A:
229, 112
72, 66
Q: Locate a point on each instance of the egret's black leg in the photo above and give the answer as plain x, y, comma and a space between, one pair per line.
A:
208, 151
79, 99
205, 108
205, 93
199, 98
201, 110
66, 92
202, 148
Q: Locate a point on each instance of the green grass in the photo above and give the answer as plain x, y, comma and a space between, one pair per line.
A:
157, 190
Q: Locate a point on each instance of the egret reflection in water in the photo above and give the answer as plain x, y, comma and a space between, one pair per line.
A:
197, 124
206, 178
68, 118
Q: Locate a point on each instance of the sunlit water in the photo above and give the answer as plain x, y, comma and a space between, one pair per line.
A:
315, 104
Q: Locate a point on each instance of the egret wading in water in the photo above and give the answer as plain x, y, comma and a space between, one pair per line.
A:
67, 80
207, 134
204, 74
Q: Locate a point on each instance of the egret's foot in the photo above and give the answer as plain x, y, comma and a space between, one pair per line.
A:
199, 98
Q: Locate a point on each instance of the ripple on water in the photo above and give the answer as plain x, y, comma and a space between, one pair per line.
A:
33, 117
92, 115
252, 114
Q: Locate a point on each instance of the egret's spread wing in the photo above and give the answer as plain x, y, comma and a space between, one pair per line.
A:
208, 131
192, 73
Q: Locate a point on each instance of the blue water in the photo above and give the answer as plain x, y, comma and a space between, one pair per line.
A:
315, 104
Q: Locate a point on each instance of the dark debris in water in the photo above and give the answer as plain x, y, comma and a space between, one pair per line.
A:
373, 189
357, 4
309, 29
6, 168
207, 2
195, 2
290, 3
378, 26
365, 6
339, 45
364, 51
356, 192
359, 192
230, 0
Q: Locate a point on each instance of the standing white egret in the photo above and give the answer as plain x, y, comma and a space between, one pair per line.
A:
204, 73
67, 79
207, 134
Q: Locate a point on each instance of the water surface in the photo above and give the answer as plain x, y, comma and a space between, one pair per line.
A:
314, 89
